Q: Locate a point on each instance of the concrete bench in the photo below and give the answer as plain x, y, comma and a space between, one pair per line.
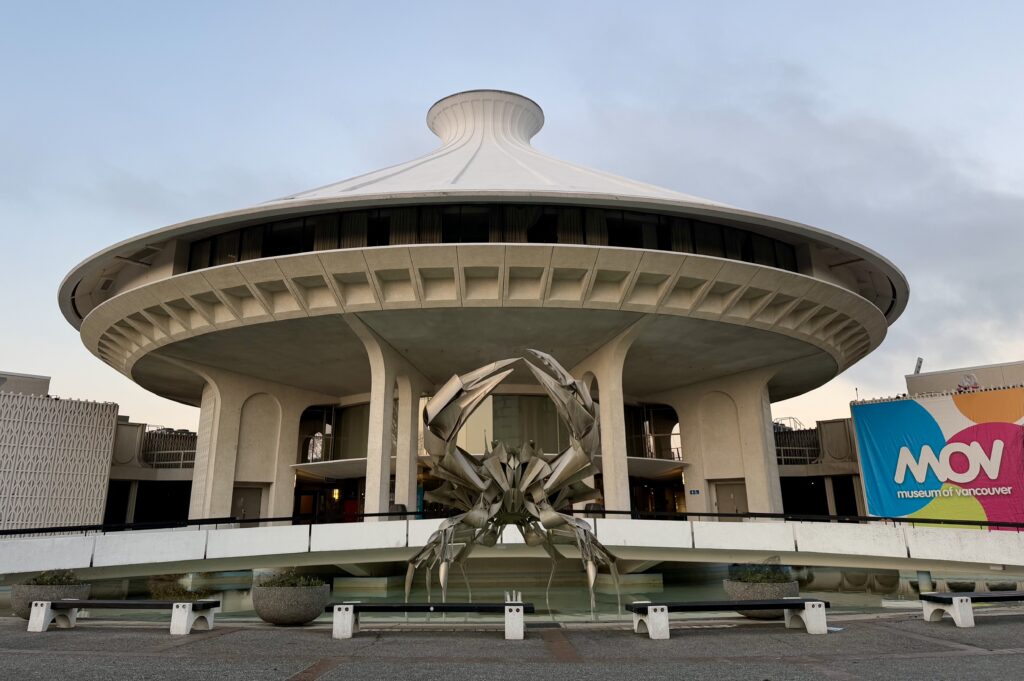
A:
806, 613
184, 616
346, 615
959, 606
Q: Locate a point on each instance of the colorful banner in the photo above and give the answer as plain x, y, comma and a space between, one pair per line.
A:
950, 456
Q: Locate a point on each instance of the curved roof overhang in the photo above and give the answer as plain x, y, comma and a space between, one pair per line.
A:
200, 227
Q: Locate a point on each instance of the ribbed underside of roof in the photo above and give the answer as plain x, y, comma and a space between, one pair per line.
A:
485, 137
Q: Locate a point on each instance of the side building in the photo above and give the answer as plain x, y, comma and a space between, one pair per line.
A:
54, 455
66, 462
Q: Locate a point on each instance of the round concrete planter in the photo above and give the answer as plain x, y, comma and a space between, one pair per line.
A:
290, 605
22, 595
755, 591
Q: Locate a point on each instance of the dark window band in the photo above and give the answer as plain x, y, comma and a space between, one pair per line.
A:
490, 223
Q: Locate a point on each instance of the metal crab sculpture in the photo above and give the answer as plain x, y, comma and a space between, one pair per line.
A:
509, 487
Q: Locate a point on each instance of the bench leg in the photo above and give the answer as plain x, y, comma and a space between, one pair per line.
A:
637, 617
514, 622
961, 610
810, 617
42, 616
346, 621
654, 623
184, 619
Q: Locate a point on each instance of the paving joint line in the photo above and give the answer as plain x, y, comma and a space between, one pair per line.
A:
318, 669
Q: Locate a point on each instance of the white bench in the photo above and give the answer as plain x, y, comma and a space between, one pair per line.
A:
800, 613
346, 615
960, 606
184, 616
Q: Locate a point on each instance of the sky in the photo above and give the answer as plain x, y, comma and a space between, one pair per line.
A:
898, 125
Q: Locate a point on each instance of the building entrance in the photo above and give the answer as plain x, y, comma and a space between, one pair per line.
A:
731, 497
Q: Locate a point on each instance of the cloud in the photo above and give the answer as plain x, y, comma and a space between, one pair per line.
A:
922, 200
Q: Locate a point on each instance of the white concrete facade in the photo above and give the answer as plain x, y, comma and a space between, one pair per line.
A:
376, 289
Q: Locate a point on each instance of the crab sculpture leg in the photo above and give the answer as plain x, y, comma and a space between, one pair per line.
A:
508, 487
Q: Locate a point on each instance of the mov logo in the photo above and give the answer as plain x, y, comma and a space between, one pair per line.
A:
977, 461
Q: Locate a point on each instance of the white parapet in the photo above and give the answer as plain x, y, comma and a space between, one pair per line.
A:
257, 541
749, 536
359, 536
420, 531
975, 546
46, 553
671, 534
140, 548
851, 539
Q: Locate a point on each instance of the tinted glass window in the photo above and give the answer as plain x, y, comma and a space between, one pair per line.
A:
623, 233
451, 225
199, 254
285, 238
474, 224
509, 223
708, 239
378, 228
785, 256
545, 229
764, 250
227, 248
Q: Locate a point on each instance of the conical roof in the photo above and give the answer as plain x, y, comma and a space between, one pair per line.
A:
485, 147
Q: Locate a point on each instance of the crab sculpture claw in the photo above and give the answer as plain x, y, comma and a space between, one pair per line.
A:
521, 487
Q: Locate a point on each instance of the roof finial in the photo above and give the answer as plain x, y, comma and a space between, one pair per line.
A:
506, 115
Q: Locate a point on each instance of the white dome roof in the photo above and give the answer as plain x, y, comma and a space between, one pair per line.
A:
485, 137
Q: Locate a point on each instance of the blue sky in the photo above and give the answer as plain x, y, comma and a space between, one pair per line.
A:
895, 124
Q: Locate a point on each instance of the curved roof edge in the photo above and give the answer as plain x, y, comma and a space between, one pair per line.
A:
126, 247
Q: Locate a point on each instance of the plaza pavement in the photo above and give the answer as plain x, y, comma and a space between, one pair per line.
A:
897, 646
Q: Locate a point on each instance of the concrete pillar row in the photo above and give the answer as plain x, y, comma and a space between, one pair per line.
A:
606, 365
388, 368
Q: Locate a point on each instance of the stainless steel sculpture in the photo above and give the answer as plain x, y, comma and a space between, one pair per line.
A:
510, 487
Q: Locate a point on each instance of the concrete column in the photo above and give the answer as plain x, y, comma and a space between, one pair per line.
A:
133, 497
248, 433
214, 468
605, 365
725, 427
830, 495
858, 495
407, 454
378, 441
387, 365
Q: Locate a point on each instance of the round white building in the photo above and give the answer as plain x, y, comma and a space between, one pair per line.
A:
309, 328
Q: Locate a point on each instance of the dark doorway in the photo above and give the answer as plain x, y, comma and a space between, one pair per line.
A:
804, 496
162, 501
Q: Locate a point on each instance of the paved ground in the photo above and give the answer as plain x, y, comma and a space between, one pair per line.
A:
900, 646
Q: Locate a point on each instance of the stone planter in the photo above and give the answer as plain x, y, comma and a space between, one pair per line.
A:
755, 591
22, 595
290, 605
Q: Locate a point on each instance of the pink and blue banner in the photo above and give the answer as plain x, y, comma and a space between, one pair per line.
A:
950, 456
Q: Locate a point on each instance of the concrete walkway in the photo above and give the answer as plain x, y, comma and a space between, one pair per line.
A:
868, 647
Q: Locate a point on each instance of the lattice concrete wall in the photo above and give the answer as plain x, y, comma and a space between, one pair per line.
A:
54, 460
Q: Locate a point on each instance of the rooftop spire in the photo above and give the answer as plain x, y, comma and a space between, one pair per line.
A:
506, 116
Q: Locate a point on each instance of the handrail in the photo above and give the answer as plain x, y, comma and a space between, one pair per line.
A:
592, 513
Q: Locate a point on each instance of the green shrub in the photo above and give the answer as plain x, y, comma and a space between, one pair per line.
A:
178, 593
55, 578
760, 573
292, 578
168, 588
